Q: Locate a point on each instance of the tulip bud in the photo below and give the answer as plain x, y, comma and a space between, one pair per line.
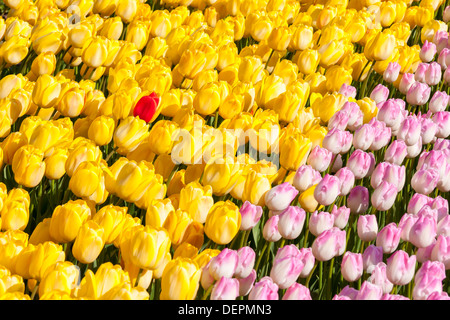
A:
89, 242
180, 280
305, 177
329, 244
442, 119
270, 229
428, 51
327, 190
367, 227
433, 74
245, 263
320, 222
423, 232
341, 216
406, 82
396, 152
388, 237
297, 291
225, 289
378, 277
337, 141
28, 166
319, 159
418, 94
358, 200
369, 291
372, 256
392, 71
264, 289
439, 101
291, 221
352, 266
280, 197
223, 222
379, 94
424, 181
360, 163
250, 214
400, 267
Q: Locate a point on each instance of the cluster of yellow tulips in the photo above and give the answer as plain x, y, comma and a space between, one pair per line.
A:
132, 132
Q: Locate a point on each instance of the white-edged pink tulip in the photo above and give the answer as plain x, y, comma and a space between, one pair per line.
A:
400, 267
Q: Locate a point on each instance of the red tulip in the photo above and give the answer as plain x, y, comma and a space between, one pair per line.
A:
146, 107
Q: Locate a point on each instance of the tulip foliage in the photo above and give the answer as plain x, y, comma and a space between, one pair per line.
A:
224, 150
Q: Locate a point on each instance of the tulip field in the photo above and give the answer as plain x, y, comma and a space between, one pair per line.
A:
224, 150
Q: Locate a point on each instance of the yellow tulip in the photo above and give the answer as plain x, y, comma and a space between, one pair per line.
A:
47, 91
223, 222
180, 280
67, 220
28, 166
89, 242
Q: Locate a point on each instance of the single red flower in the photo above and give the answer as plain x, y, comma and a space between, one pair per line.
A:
146, 107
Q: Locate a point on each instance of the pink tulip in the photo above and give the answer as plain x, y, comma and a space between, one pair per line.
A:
417, 202
337, 141
320, 221
250, 215
438, 296
246, 284
424, 254
439, 101
421, 70
352, 266
319, 158
327, 190
264, 289
428, 51
329, 244
287, 266
360, 163
444, 58
358, 200
348, 91
389, 237
424, 181
418, 94
396, 152
347, 293
207, 279
392, 72
440, 39
354, 113
428, 280
224, 264
447, 71
372, 256
364, 137
441, 251
291, 221
433, 74
443, 226
339, 120
405, 223
400, 267
446, 14
406, 82
305, 177
442, 120
383, 134
369, 291
410, 130
390, 173
341, 216
428, 130
297, 291
399, 297
441, 206
347, 180
379, 94
225, 289
433, 159
308, 260
378, 277
280, 197
270, 230
383, 197
246, 261
367, 227
391, 112
423, 232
